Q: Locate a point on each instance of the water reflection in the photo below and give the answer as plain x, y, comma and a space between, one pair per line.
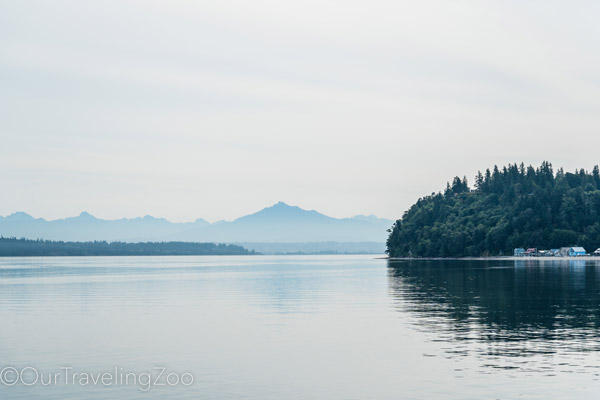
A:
502, 311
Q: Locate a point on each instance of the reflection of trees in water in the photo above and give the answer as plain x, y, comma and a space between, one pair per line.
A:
513, 307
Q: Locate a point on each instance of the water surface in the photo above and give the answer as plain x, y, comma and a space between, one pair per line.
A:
306, 327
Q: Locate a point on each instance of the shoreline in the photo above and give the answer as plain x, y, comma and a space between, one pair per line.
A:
495, 258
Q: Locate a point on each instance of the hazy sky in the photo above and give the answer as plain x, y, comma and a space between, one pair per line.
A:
214, 109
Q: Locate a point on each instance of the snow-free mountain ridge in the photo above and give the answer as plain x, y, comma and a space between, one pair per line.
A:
279, 223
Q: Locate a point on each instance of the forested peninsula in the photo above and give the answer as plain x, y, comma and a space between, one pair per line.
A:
12, 247
510, 207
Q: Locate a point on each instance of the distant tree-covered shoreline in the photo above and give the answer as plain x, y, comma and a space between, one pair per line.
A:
13, 247
515, 206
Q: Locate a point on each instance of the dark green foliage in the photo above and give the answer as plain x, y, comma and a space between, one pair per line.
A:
11, 247
515, 206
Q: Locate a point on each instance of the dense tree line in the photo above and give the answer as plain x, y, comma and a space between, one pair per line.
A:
12, 247
516, 206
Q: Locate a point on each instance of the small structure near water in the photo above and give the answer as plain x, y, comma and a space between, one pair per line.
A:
577, 252
564, 251
531, 252
574, 251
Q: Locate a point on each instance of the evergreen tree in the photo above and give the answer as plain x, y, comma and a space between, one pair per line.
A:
479, 181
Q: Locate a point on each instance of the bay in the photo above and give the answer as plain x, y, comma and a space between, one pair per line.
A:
304, 327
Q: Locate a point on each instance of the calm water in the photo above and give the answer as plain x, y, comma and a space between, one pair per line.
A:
310, 327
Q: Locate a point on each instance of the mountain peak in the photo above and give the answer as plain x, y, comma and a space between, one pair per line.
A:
281, 211
282, 207
85, 214
20, 215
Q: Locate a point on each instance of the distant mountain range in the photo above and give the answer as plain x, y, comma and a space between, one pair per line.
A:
86, 227
280, 223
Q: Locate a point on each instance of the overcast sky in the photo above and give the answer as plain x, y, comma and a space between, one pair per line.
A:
215, 109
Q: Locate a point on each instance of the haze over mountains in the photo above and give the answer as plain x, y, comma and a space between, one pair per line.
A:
280, 223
